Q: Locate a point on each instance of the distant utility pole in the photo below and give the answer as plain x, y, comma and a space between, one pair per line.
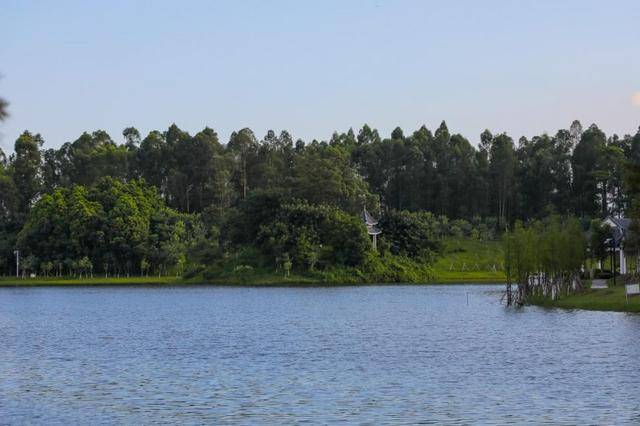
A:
17, 253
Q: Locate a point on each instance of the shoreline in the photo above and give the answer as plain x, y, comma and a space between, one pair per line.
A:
611, 299
257, 282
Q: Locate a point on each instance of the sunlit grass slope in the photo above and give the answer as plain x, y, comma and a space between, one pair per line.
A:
470, 260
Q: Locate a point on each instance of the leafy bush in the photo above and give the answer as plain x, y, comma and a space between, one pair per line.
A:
314, 235
400, 269
412, 234
112, 225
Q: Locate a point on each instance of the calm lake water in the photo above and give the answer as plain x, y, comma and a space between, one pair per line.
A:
379, 354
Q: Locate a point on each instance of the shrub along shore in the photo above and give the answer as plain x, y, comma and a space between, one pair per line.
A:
257, 281
260, 279
463, 260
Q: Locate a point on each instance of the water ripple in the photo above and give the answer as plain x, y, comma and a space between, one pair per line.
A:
367, 355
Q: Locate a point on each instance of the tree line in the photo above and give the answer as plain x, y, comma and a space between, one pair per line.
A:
574, 171
195, 182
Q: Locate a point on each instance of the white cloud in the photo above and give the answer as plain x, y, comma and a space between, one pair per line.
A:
635, 99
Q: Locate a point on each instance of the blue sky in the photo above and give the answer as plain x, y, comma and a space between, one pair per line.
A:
523, 67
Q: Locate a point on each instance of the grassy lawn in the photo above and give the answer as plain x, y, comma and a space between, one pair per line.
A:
69, 281
609, 299
467, 260
260, 279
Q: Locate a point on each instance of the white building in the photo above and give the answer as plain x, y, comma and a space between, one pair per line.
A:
619, 229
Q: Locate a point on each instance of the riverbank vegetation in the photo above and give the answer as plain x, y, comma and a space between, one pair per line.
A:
612, 298
544, 259
550, 260
279, 209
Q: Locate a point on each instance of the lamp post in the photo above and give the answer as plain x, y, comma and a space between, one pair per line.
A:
17, 253
611, 242
613, 259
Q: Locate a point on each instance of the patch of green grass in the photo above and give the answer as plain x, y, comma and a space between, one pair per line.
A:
469, 260
259, 278
609, 299
70, 281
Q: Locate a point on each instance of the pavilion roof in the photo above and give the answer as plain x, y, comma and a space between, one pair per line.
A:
367, 218
373, 230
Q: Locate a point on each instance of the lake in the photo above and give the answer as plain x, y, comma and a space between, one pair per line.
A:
373, 354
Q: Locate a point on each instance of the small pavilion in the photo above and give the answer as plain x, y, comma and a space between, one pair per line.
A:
372, 228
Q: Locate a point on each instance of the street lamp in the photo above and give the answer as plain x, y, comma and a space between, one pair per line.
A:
612, 244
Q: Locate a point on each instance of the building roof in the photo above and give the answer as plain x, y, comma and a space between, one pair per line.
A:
619, 228
367, 218
619, 222
370, 222
373, 230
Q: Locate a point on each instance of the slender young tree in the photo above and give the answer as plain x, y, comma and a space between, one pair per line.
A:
243, 146
502, 169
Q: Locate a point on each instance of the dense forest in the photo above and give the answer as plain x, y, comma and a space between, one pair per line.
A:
172, 202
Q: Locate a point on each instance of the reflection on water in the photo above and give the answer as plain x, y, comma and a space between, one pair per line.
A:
387, 354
